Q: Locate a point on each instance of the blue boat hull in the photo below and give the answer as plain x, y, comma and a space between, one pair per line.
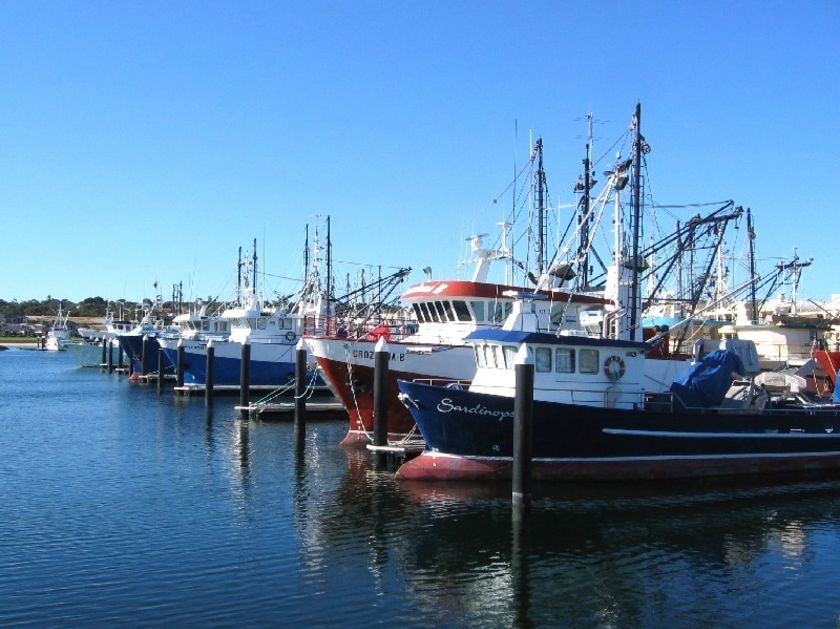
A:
470, 435
140, 362
227, 370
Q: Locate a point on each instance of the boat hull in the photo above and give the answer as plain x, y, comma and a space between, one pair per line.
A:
91, 355
348, 367
271, 364
142, 361
470, 436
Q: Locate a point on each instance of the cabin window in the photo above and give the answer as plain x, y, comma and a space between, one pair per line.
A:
556, 313
418, 313
496, 314
486, 357
425, 310
479, 356
447, 308
462, 313
498, 356
439, 306
589, 362
478, 309
564, 360
430, 308
261, 324
542, 359
510, 356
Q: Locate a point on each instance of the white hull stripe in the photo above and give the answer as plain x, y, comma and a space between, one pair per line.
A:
721, 435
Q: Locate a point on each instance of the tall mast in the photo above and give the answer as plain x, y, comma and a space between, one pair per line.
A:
254, 268
751, 236
540, 209
329, 269
636, 218
583, 251
239, 277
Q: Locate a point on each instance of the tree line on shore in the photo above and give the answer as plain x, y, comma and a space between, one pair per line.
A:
88, 307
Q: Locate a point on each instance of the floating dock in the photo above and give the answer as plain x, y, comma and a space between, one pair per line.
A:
327, 406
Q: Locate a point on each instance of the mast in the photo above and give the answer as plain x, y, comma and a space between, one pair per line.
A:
540, 209
329, 269
239, 277
583, 220
751, 236
636, 218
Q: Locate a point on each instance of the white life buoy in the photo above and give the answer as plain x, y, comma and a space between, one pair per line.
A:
291, 336
614, 368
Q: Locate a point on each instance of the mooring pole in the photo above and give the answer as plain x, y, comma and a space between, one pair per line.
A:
110, 354
179, 373
144, 352
208, 380
119, 354
161, 363
523, 417
300, 394
104, 343
245, 379
381, 354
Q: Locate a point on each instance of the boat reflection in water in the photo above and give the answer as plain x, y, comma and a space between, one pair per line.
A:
585, 555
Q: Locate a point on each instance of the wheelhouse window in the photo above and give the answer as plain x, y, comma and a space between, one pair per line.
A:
589, 361
478, 309
433, 314
261, 324
447, 308
419, 313
462, 312
564, 360
542, 359
501, 311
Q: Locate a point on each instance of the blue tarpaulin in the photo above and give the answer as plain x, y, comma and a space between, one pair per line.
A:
706, 382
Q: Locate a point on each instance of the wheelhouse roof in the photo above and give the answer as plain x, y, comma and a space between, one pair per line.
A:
464, 289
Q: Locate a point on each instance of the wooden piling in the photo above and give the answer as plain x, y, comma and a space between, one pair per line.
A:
179, 373
208, 381
245, 378
300, 392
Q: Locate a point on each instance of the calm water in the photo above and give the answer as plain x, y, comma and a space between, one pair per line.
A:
123, 507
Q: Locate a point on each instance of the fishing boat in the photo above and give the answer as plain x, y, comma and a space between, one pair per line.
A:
427, 339
89, 353
593, 418
607, 407
271, 333
58, 336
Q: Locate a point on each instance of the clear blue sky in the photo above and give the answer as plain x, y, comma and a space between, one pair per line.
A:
144, 141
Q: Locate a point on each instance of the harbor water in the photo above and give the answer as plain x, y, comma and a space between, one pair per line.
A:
124, 506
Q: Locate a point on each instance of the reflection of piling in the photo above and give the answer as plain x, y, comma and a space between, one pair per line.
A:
245, 378
179, 368
161, 363
523, 412
380, 393
300, 399
208, 380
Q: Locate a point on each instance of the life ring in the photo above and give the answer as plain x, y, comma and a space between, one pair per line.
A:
614, 367
290, 336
